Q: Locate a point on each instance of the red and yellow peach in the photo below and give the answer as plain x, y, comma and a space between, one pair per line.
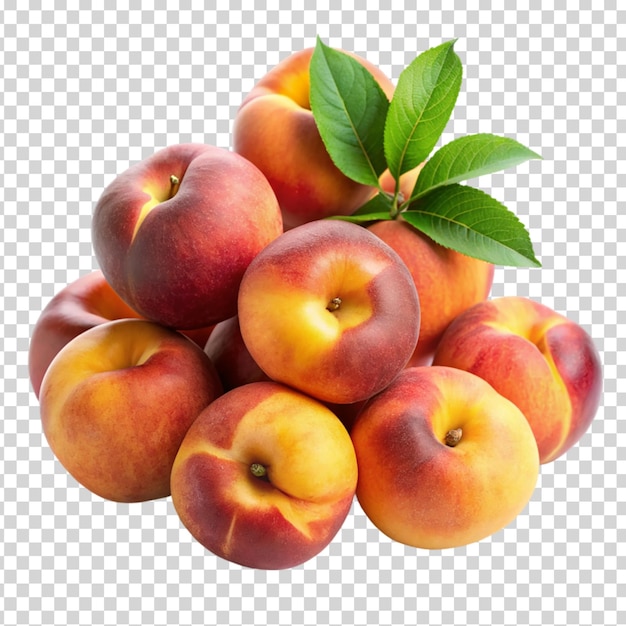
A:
543, 362
330, 309
443, 459
174, 233
265, 476
116, 402
275, 129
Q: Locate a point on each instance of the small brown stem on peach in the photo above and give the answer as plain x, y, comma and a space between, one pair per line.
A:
175, 183
453, 437
334, 304
258, 470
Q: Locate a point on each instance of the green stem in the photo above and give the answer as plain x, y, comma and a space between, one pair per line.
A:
396, 205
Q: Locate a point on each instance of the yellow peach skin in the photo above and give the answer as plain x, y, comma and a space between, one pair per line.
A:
329, 309
539, 359
443, 459
116, 402
236, 367
265, 477
275, 129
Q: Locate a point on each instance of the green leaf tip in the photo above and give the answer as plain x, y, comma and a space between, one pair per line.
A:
473, 223
421, 106
468, 157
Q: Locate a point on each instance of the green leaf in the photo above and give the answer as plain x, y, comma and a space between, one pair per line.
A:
350, 109
469, 157
421, 106
376, 208
472, 222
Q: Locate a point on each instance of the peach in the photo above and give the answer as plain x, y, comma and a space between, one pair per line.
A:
236, 367
543, 362
330, 309
174, 233
116, 402
443, 459
275, 129
347, 413
234, 363
86, 302
447, 281
265, 476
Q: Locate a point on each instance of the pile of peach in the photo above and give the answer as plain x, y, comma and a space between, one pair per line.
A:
263, 364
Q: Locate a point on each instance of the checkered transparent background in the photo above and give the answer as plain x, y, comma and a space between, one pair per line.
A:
84, 93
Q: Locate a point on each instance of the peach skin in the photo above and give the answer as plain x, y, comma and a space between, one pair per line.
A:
265, 477
275, 129
117, 401
542, 361
330, 309
227, 350
86, 302
174, 233
443, 459
447, 281
236, 367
